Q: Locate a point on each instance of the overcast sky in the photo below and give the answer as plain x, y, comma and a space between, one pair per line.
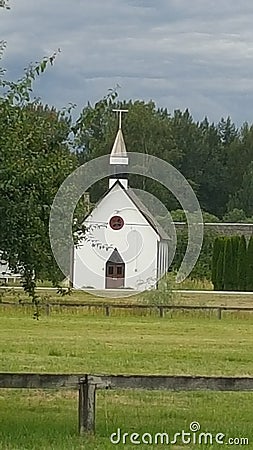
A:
182, 54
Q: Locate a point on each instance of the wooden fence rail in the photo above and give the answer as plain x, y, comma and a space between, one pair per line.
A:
87, 385
161, 309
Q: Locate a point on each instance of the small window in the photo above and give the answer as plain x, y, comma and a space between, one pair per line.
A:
116, 222
119, 270
110, 270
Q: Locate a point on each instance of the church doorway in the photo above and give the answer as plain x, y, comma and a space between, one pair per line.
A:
115, 271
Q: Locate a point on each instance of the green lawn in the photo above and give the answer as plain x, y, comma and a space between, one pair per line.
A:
194, 344
96, 344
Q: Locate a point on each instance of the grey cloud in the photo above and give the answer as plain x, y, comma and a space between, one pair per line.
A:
178, 53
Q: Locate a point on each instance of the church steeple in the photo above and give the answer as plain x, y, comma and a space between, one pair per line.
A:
118, 157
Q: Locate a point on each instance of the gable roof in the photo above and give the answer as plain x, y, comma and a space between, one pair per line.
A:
115, 257
141, 208
147, 214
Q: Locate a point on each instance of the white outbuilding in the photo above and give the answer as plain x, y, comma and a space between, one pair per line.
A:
124, 245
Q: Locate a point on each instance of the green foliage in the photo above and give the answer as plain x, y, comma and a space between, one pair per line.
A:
19, 93
220, 266
178, 215
161, 296
234, 216
235, 240
242, 264
243, 197
203, 267
249, 268
227, 131
228, 265
34, 158
215, 256
232, 264
34, 161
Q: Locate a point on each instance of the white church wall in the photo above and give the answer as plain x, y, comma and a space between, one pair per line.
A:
163, 258
136, 243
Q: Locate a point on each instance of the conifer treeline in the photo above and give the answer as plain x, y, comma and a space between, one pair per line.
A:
232, 264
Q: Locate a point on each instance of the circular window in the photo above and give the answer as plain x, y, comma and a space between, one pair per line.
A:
116, 223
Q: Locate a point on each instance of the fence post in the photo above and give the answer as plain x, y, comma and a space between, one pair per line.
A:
161, 311
47, 309
107, 311
87, 401
219, 311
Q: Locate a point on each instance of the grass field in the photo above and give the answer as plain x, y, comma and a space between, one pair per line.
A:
45, 420
186, 344
76, 342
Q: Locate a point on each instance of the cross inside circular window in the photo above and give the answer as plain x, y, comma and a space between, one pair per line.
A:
116, 222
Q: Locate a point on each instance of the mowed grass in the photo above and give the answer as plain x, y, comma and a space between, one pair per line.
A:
193, 344
78, 342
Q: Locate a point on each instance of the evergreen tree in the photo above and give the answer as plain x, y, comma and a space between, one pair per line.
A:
235, 240
241, 264
215, 256
227, 131
220, 266
228, 265
243, 197
249, 268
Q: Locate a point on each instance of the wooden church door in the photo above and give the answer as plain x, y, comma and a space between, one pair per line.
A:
114, 271
115, 275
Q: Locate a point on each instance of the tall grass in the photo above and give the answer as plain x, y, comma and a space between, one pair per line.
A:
47, 420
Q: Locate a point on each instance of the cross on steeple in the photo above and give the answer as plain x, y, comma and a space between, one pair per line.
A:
120, 111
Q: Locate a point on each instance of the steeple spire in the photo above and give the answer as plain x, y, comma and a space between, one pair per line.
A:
118, 157
119, 147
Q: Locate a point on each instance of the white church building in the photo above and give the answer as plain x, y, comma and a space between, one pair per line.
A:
124, 245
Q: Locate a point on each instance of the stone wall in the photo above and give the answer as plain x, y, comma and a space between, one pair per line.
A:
225, 229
